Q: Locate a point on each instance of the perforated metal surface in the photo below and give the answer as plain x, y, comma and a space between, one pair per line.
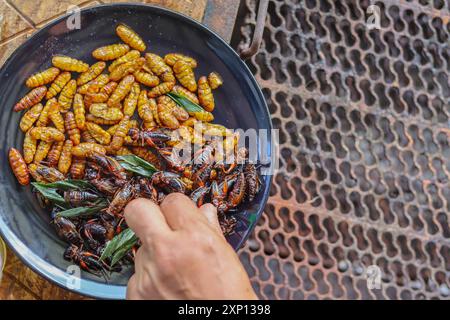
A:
365, 156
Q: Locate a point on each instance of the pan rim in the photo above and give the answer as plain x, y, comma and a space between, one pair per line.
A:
88, 287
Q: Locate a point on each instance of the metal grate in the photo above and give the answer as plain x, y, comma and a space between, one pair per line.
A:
365, 157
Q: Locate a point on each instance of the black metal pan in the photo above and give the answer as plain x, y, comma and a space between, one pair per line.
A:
23, 224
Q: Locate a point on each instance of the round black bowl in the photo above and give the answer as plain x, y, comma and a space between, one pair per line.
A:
23, 224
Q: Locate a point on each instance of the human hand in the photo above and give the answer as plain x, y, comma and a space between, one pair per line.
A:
184, 254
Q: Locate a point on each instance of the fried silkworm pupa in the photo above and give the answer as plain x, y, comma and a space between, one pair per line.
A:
65, 159
110, 52
130, 56
171, 58
55, 116
51, 105
185, 93
130, 102
163, 71
54, 154
86, 148
72, 129
93, 72
146, 78
214, 80
77, 168
97, 132
79, 111
165, 113
30, 117
126, 68
185, 75
101, 110
19, 167
130, 37
95, 85
29, 147
58, 84
42, 151
42, 78
101, 121
66, 96
205, 96
101, 96
47, 134
145, 111
32, 170
121, 91
120, 133
31, 98
69, 64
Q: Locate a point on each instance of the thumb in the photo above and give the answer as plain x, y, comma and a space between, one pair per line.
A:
210, 212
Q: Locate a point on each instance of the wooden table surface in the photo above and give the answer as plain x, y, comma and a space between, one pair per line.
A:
21, 18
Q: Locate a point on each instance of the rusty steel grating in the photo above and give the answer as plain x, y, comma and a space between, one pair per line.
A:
364, 128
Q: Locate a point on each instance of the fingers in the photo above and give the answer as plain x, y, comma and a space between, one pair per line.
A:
145, 218
179, 210
132, 288
210, 212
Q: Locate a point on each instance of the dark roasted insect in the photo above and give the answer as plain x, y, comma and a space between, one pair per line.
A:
235, 196
109, 165
253, 183
49, 174
168, 181
78, 198
86, 260
95, 234
199, 195
66, 230
121, 198
150, 138
146, 189
106, 186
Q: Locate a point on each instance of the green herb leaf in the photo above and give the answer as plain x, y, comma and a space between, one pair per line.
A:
68, 184
120, 253
79, 211
137, 165
49, 193
123, 241
192, 108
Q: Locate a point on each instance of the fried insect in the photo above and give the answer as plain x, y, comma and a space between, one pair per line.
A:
95, 85
86, 137
199, 195
130, 56
31, 98
69, 64
101, 121
47, 134
77, 168
171, 58
185, 93
145, 105
205, 96
42, 78
85, 148
148, 137
42, 151
121, 91
55, 116
101, 110
66, 230
66, 96
168, 181
120, 133
29, 147
163, 71
130, 102
170, 113
253, 183
54, 153
185, 75
101, 96
93, 72
58, 84
110, 52
148, 156
97, 132
85, 259
121, 198
30, 117
19, 167
106, 186
126, 68
77, 198
79, 111
49, 174
72, 129
130, 37
146, 78
214, 80
109, 165
65, 160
